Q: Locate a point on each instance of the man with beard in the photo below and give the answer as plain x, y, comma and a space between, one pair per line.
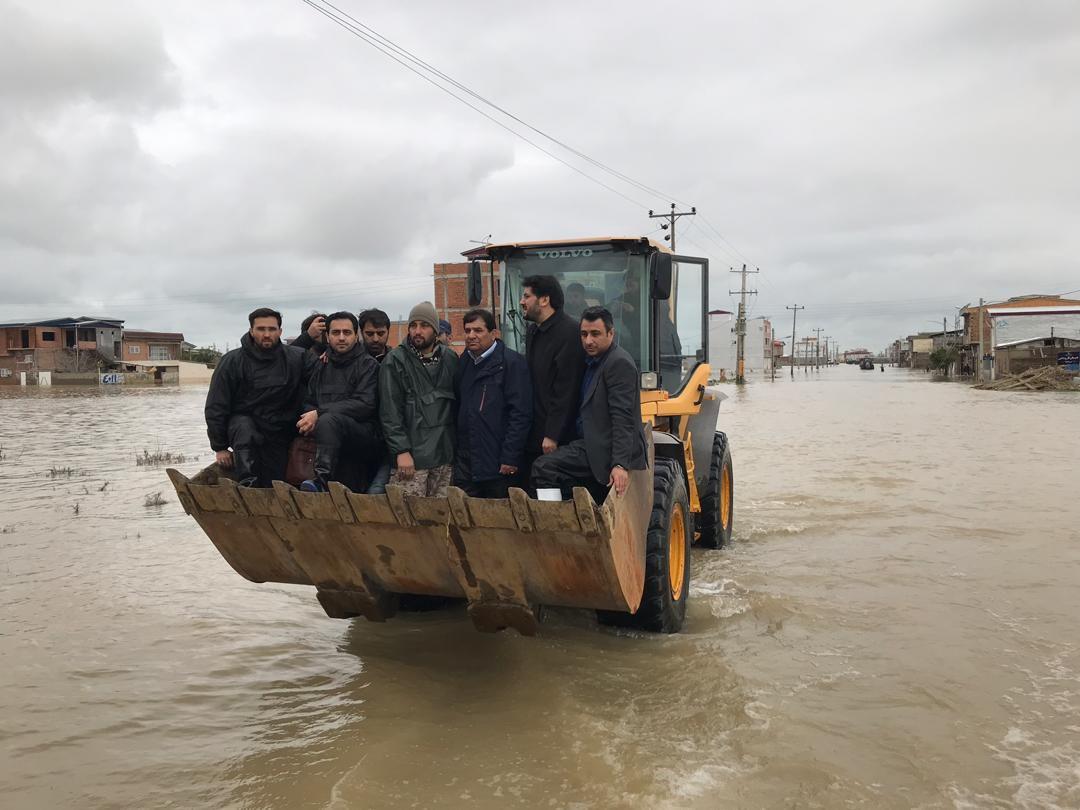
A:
339, 410
375, 330
494, 411
556, 363
254, 399
610, 439
416, 406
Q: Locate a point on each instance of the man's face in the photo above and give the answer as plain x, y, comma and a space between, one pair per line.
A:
375, 338
421, 335
575, 299
266, 332
478, 338
530, 304
595, 337
342, 335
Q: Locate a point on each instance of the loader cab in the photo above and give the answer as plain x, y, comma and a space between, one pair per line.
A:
657, 300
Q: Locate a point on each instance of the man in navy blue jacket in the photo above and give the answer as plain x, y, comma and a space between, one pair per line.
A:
495, 401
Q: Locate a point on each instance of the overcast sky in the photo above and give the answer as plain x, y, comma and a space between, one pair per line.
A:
178, 164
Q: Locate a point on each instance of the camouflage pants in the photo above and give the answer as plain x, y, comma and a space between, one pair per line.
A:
430, 483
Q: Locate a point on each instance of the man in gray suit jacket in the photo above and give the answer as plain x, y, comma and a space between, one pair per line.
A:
610, 438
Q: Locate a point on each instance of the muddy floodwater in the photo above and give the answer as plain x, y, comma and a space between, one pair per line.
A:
897, 624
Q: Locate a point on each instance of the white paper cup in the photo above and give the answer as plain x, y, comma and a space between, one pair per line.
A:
554, 494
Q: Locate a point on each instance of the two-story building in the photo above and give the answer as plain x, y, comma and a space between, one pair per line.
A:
60, 344
1011, 322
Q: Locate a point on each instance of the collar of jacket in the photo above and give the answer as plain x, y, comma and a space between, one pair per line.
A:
258, 352
345, 358
543, 327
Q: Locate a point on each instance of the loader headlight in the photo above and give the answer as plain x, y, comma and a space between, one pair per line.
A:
649, 380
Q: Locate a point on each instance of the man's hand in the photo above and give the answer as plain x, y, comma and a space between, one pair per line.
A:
317, 328
406, 467
306, 423
224, 459
620, 479
324, 357
548, 445
507, 469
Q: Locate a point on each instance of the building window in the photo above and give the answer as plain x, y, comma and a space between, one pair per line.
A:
86, 335
48, 337
134, 349
159, 353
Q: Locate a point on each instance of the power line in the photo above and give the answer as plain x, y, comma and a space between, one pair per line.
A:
384, 50
403, 56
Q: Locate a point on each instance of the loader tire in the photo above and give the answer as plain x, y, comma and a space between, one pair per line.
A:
667, 557
717, 497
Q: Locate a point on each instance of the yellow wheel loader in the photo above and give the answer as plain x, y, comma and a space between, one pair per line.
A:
627, 558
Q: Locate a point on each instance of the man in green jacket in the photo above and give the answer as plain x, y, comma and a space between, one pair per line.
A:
416, 406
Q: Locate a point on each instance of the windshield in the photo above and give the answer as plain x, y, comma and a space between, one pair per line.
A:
591, 275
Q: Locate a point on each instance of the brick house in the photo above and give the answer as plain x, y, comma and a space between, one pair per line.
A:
451, 301
60, 344
1043, 313
142, 347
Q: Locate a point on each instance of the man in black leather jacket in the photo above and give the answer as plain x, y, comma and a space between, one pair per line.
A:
254, 399
341, 406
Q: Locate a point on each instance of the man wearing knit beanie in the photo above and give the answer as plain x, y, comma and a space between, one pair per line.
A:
416, 406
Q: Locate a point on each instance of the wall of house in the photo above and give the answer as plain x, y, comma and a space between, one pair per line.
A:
139, 351
722, 346
1010, 328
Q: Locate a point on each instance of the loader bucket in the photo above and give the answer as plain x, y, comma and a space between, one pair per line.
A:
505, 557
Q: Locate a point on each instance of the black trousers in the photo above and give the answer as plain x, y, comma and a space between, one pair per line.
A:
490, 488
259, 455
565, 468
346, 450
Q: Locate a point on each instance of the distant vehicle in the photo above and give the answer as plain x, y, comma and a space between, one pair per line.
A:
866, 364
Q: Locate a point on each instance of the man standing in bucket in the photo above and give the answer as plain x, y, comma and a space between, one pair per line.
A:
553, 351
254, 401
416, 406
494, 411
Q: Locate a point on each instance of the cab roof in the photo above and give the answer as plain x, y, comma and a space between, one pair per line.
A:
486, 251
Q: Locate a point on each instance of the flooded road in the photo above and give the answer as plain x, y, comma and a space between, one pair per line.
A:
894, 626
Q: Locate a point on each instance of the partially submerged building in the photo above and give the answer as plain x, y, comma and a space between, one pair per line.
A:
86, 350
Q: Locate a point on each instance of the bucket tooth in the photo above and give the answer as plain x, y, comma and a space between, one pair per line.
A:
491, 618
347, 604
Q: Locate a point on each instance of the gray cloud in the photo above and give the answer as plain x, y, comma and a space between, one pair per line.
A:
179, 164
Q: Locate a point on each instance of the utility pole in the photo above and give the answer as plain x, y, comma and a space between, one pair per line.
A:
794, 313
827, 339
979, 367
817, 348
740, 327
671, 217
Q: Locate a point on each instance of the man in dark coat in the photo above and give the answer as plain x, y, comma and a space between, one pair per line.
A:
254, 400
553, 350
494, 411
611, 439
416, 406
375, 331
340, 408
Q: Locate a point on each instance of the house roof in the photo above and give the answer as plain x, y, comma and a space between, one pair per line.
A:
83, 321
1054, 338
1026, 301
1047, 310
168, 337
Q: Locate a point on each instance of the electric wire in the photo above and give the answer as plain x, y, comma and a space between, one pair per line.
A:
361, 35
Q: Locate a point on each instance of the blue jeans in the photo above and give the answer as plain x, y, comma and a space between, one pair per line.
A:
379, 480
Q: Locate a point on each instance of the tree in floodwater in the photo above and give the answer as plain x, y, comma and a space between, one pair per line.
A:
942, 359
204, 354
